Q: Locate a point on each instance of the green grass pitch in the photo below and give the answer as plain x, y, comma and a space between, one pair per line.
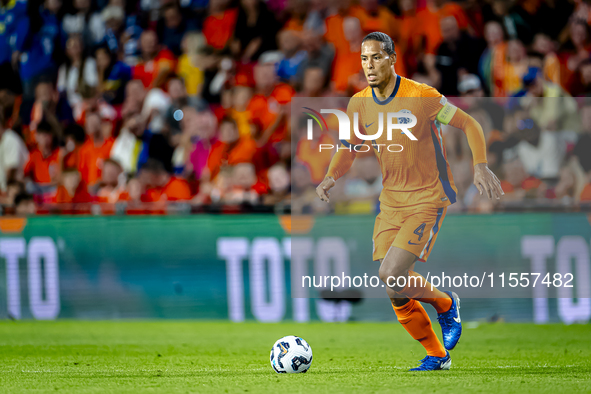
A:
202, 357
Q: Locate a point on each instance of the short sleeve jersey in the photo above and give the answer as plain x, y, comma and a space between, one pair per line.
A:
414, 172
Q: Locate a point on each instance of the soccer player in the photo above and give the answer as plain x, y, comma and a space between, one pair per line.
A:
417, 188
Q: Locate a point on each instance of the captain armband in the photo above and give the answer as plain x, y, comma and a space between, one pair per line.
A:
447, 112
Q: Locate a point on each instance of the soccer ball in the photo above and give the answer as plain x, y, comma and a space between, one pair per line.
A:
291, 354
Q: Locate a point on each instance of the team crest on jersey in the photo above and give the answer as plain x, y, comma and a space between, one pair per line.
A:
404, 120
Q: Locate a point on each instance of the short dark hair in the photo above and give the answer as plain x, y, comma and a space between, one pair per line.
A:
154, 166
76, 132
229, 119
383, 38
44, 127
23, 197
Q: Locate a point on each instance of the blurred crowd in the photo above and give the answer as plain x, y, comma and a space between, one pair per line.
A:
136, 104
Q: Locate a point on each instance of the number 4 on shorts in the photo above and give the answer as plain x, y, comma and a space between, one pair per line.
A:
419, 230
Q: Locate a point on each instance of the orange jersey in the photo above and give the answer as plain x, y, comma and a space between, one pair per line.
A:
43, 170
90, 159
418, 174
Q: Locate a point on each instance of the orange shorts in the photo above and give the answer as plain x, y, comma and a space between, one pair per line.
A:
414, 231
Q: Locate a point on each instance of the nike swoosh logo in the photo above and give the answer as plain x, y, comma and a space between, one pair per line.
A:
368, 125
457, 320
412, 243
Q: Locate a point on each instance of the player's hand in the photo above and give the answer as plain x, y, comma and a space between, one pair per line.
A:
324, 187
487, 182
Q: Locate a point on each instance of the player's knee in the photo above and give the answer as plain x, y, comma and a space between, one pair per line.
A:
384, 272
389, 274
392, 275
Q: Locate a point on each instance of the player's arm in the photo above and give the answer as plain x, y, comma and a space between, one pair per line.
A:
341, 161
339, 165
484, 179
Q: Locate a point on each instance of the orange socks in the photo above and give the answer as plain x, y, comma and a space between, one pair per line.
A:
422, 292
415, 320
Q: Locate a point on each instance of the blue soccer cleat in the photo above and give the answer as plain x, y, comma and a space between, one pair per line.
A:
432, 363
451, 324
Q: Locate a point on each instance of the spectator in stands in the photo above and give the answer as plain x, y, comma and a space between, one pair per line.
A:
112, 183
44, 165
334, 32
7, 198
156, 63
160, 144
191, 63
218, 26
346, 61
49, 106
159, 185
376, 17
255, 32
133, 192
114, 19
572, 53
71, 189
13, 156
154, 109
172, 27
13, 17
314, 83
242, 186
304, 200
542, 152
135, 95
77, 73
240, 99
203, 124
10, 107
544, 45
113, 75
557, 111
182, 142
319, 54
214, 192
74, 138
306, 14
279, 185
293, 55
584, 76
495, 43
513, 24
130, 40
24, 204
419, 35
95, 150
517, 183
46, 39
457, 55
85, 23
581, 154
230, 149
508, 68
178, 99
128, 146
269, 104
473, 97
